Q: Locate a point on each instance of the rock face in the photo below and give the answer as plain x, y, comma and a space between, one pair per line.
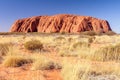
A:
60, 23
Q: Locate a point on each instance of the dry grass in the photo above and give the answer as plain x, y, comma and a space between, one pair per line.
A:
44, 63
75, 49
109, 53
110, 33
4, 48
83, 71
15, 61
90, 33
77, 71
85, 51
67, 53
72, 44
14, 58
78, 45
12, 33
67, 45
33, 45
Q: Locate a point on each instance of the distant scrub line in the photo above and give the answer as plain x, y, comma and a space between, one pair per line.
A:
90, 33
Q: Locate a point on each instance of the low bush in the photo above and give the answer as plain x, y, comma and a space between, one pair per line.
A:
108, 53
84, 70
43, 63
90, 33
33, 45
15, 61
64, 53
110, 33
75, 71
4, 48
59, 38
78, 45
91, 39
12, 33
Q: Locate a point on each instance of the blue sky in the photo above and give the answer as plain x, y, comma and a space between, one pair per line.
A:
11, 10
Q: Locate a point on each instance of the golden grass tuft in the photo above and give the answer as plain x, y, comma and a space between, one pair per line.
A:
44, 63
78, 45
83, 71
110, 33
14, 58
15, 61
4, 48
33, 45
74, 49
108, 53
75, 71
90, 33
67, 53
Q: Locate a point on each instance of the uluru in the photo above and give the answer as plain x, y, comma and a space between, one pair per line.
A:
60, 23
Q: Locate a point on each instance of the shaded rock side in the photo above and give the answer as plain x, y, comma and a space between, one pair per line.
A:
60, 23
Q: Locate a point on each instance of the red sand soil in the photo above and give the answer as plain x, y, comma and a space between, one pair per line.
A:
24, 73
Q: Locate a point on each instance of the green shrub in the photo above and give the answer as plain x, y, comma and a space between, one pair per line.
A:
33, 45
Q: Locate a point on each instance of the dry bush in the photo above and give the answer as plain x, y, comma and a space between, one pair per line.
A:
78, 45
109, 53
15, 61
110, 33
12, 33
59, 40
90, 33
44, 63
14, 58
4, 48
33, 45
70, 39
84, 70
91, 39
75, 71
68, 53
74, 49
